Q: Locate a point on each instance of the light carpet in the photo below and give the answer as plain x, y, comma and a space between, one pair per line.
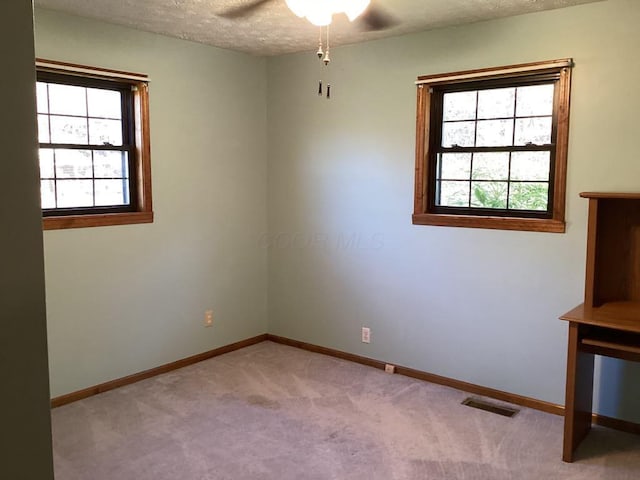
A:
272, 412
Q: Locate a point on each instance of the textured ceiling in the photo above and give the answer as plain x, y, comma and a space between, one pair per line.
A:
274, 30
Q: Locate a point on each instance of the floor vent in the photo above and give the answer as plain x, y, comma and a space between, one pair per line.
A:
490, 407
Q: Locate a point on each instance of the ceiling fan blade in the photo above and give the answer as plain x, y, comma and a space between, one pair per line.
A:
243, 10
376, 18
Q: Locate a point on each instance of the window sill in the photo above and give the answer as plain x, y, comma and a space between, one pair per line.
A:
496, 223
101, 220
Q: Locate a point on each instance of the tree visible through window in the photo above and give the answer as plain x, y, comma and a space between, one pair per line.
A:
491, 147
94, 164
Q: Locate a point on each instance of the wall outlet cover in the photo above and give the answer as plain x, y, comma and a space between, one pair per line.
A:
366, 335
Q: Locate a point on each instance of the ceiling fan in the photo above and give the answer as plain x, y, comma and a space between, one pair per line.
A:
320, 13
371, 16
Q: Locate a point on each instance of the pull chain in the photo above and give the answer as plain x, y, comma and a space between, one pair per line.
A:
320, 53
326, 59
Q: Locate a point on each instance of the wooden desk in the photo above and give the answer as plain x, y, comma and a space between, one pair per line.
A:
608, 322
613, 330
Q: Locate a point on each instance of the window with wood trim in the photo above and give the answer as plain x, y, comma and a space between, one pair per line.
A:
93, 129
491, 147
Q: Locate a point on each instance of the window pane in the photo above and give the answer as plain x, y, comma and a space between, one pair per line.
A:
43, 128
67, 99
454, 194
104, 103
41, 97
494, 133
75, 193
529, 196
530, 166
48, 194
533, 130
535, 100
73, 163
103, 132
489, 195
110, 164
498, 103
455, 166
46, 163
459, 106
461, 134
491, 166
69, 130
112, 192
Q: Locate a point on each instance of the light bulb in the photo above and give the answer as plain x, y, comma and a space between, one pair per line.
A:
321, 19
319, 14
354, 8
298, 7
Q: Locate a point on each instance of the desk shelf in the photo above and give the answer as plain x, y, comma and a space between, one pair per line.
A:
625, 350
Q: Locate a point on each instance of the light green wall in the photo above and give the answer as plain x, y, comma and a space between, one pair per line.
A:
25, 429
125, 299
476, 305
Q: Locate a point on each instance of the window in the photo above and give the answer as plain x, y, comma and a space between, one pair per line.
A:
94, 146
491, 147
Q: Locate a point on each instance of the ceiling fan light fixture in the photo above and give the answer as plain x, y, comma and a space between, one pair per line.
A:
320, 13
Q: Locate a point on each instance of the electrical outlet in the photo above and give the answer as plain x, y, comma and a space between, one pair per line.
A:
389, 368
208, 318
366, 335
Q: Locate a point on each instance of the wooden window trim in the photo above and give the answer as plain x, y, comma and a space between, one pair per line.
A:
423, 181
142, 163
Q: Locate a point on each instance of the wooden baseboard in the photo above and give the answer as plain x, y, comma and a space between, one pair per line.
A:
528, 402
483, 391
428, 377
616, 424
512, 398
136, 377
327, 351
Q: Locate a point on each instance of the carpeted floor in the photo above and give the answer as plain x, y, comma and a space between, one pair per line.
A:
273, 412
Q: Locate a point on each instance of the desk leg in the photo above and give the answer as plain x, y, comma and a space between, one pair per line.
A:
579, 394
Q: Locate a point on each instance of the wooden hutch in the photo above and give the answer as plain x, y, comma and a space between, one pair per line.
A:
608, 322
